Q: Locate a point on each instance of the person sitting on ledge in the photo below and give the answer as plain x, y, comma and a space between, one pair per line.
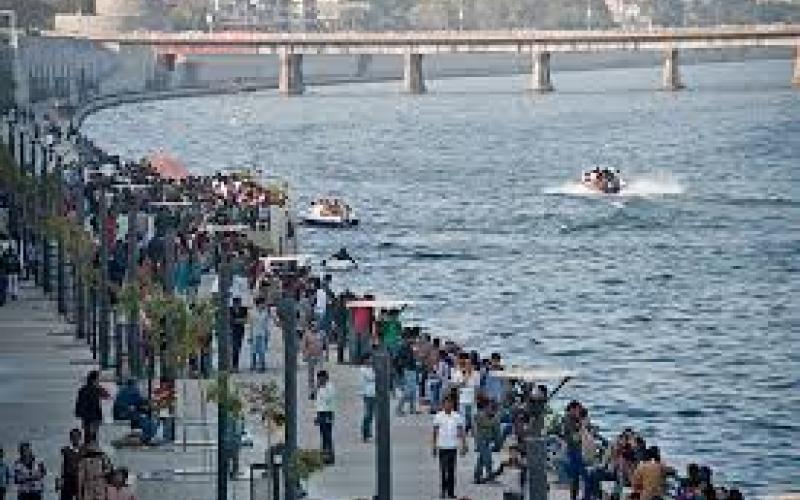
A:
127, 401
131, 405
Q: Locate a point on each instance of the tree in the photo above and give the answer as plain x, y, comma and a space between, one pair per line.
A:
266, 401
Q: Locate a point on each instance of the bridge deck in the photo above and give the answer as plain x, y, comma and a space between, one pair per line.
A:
432, 42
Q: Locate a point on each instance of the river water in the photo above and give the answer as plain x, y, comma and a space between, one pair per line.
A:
677, 305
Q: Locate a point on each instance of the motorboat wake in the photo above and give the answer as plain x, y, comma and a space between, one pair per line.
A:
615, 186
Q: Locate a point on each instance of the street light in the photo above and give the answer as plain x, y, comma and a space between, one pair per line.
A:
589, 15
16, 68
11, 15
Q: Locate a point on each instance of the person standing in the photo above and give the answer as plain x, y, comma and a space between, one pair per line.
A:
238, 324
3, 281
368, 394
486, 427
325, 403
118, 488
88, 408
407, 366
29, 474
259, 328
93, 469
650, 477
321, 315
70, 458
11, 261
312, 353
5, 475
468, 380
448, 434
574, 452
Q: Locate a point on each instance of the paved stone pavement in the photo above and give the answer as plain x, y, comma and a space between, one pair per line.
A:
415, 470
42, 365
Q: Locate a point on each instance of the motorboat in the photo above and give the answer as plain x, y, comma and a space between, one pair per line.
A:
603, 181
340, 261
339, 265
330, 212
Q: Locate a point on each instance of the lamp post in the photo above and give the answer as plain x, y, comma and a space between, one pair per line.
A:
103, 330
80, 259
287, 310
46, 211
36, 223
383, 436
20, 89
59, 207
134, 362
223, 334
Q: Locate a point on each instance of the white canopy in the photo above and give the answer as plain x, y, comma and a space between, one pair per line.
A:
379, 304
535, 374
225, 228
172, 203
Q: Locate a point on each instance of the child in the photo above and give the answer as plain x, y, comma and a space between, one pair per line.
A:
117, 488
5, 475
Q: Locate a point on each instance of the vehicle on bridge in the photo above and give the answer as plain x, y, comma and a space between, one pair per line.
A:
605, 181
330, 212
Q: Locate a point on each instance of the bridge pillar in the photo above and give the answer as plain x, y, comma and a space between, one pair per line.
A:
74, 91
164, 71
290, 79
540, 72
672, 74
413, 78
363, 62
796, 76
22, 80
186, 71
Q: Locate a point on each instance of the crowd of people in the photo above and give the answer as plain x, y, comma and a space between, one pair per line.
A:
469, 395
472, 400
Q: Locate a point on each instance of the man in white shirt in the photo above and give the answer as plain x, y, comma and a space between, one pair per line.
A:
448, 433
320, 304
468, 381
367, 373
321, 313
325, 403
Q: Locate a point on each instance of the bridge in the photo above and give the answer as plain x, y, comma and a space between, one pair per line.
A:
413, 46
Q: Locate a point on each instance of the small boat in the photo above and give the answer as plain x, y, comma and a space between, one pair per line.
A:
603, 181
340, 261
330, 212
339, 265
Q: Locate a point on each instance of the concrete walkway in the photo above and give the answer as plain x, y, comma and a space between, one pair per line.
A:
42, 365
415, 471
41, 368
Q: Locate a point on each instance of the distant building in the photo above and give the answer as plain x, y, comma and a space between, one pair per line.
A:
111, 16
294, 15
304, 15
334, 15
628, 14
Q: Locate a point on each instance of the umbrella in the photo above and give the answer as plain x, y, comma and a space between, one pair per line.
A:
168, 167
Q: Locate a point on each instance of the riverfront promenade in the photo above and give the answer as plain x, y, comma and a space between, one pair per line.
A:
42, 365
